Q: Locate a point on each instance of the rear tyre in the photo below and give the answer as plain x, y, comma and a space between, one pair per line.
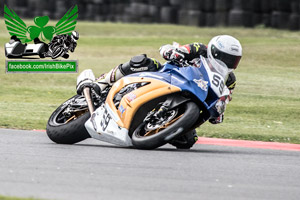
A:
175, 126
63, 130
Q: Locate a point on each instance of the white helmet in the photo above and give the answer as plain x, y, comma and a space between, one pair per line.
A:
75, 35
224, 49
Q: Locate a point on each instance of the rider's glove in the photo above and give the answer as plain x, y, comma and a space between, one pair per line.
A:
87, 79
220, 108
171, 53
221, 104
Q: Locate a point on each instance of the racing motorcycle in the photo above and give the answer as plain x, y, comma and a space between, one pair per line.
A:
56, 50
145, 110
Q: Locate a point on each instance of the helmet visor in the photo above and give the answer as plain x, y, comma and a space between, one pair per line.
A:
230, 60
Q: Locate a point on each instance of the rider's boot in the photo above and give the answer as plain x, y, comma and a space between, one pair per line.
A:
185, 141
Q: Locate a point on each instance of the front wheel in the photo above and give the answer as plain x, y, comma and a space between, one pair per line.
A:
56, 52
150, 135
66, 124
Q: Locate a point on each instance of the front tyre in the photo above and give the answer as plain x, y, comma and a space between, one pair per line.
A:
63, 129
178, 121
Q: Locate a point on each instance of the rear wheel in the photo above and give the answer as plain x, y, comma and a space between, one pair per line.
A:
66, 124
158, 129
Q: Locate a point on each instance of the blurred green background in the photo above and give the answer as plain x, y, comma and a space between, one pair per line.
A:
266, 101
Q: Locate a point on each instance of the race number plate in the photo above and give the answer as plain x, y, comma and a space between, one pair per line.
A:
103, 126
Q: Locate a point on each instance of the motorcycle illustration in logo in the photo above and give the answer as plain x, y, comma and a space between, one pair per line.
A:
63, 37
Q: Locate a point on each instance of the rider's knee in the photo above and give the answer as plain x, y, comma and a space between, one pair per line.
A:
140, 63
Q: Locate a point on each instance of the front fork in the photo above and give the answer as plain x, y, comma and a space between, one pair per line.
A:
89, 100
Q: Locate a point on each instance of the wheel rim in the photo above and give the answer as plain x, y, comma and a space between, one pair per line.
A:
152, 128
60, 118
170, 115
155, 131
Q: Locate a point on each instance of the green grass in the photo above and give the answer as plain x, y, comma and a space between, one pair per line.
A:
15, 198
266, 102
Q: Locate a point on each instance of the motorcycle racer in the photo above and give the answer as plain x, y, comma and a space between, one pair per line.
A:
69, 41
223, 51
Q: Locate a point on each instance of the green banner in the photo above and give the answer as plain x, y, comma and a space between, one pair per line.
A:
41, 66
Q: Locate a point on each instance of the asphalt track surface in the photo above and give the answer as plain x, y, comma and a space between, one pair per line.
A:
33, 166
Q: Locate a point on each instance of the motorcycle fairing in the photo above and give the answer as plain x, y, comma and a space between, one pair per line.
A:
128, 105
103, 126
212, 74
212, 83
188, 79
110, 123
